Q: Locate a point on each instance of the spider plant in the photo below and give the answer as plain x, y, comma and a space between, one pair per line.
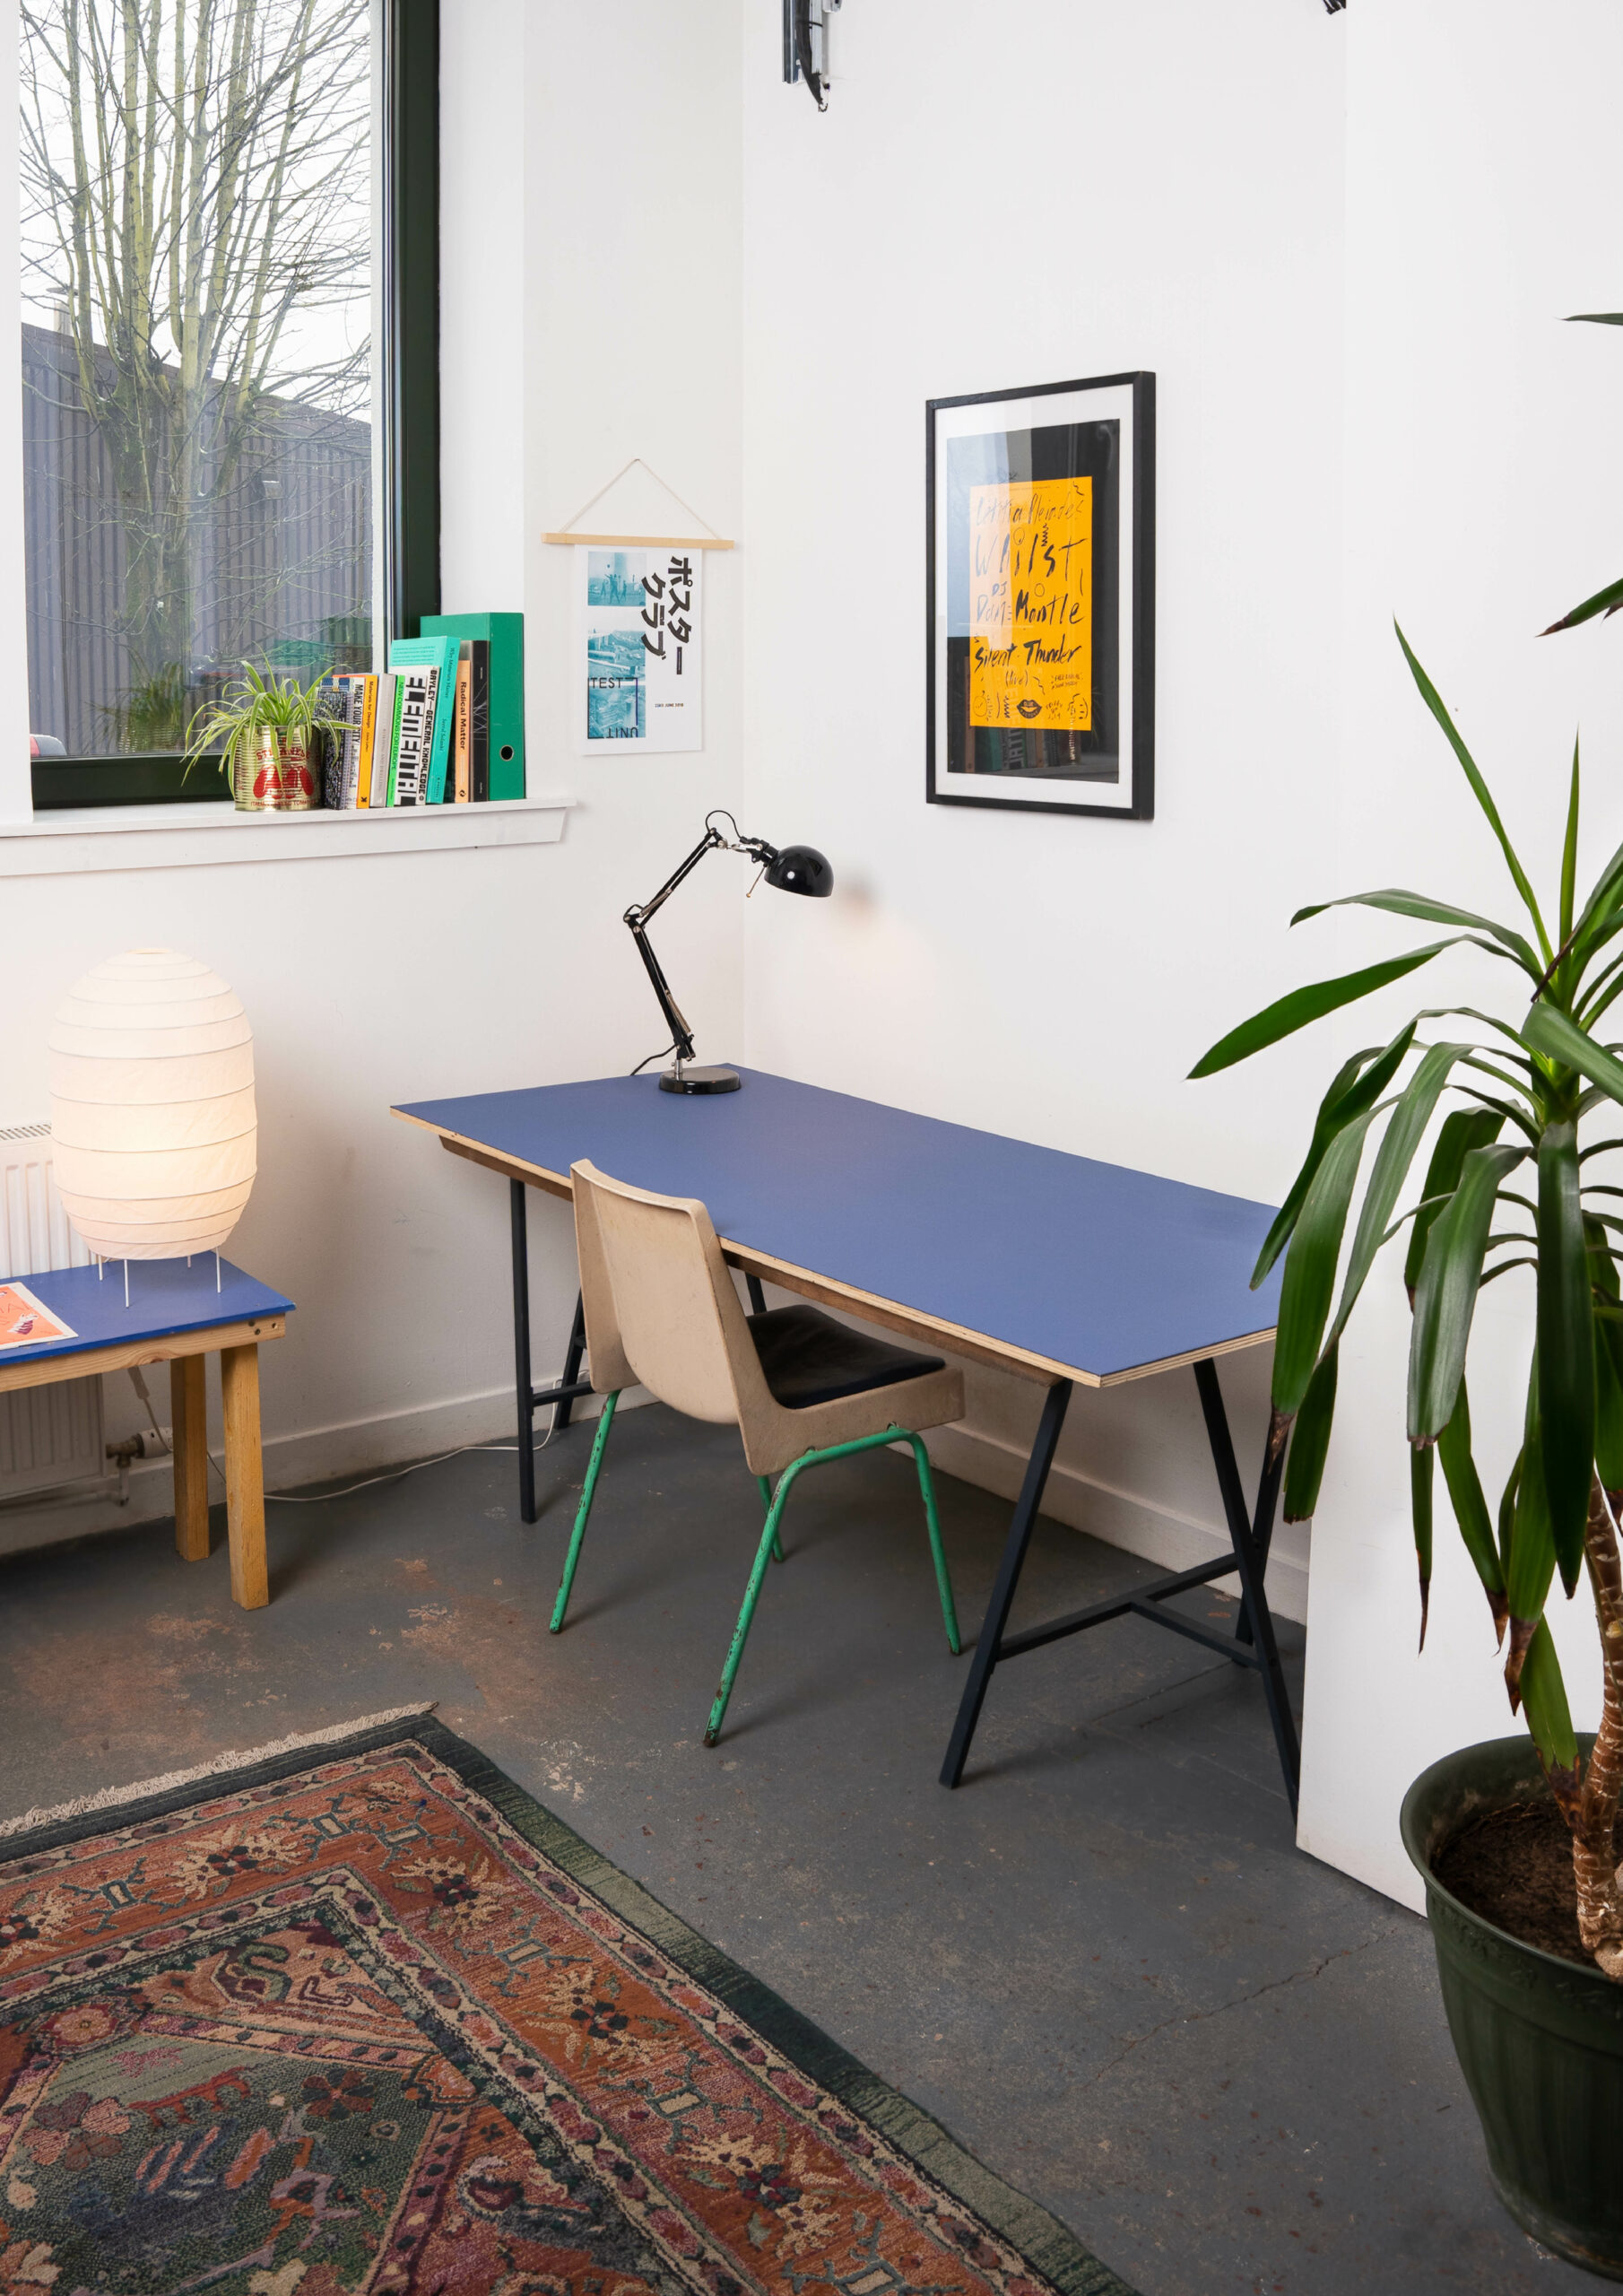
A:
250, 705
1507, 1188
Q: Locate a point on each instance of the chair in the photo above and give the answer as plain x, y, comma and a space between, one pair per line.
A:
801, 1389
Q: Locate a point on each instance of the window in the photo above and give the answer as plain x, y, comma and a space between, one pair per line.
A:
209, 436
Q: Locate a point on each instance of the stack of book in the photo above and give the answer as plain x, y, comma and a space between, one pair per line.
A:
420, 732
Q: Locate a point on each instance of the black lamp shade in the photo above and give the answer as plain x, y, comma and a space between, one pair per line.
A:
801, 869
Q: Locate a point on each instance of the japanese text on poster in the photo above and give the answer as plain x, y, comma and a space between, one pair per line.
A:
640, 618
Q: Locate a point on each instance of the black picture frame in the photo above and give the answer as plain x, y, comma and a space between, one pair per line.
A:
1109, 439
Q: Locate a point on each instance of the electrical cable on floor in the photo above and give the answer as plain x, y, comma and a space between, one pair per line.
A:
391, 1475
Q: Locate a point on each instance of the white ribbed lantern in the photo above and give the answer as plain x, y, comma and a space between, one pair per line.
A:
152, 1127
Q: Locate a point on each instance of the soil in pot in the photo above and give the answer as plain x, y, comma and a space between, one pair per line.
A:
1513, 1866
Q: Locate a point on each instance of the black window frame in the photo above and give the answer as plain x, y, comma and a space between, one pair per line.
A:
409, 528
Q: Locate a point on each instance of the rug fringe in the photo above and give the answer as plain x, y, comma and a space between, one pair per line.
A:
109, 1797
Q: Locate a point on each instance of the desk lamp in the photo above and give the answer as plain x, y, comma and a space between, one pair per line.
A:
796, 869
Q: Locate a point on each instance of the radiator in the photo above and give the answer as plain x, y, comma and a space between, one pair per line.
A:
54, 1434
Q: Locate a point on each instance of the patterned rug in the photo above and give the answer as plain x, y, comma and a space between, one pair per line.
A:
367, 2017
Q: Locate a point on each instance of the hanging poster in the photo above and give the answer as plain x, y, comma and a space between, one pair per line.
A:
638, 649
1040, 573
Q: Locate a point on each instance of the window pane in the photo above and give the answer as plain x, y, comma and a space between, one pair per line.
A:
196, 355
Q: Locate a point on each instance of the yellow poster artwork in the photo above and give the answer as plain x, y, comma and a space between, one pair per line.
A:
1031, 605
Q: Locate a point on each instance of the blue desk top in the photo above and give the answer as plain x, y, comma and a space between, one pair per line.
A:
1094, 1268
166, 1297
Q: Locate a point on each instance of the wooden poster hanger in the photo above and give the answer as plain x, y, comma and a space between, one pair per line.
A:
709, 540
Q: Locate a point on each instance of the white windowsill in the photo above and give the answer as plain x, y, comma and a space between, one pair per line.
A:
180, 836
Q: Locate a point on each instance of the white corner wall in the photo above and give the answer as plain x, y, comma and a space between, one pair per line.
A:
1484, 469
1179, 207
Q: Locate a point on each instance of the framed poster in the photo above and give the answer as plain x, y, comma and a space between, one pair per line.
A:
1040, 576
637, 668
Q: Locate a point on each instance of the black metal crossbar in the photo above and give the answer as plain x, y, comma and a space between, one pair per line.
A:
1253, 1643
1156, 1590
561, 1393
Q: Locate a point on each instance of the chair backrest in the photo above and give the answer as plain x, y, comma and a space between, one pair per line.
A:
605, 1355
659, 1299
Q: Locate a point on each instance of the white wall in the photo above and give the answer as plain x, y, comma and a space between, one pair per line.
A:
374, 980
1484, 466
939, 231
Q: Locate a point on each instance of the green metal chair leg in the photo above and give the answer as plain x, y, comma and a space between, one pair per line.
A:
741, 1632
770, 1546
944, 1582
605, 1419
765, 1483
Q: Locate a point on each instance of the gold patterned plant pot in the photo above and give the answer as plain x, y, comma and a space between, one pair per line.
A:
277, 772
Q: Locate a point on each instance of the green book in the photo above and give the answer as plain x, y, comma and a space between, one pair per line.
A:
505, 634
398, 685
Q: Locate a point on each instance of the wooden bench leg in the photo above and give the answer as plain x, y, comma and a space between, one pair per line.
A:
244, 1475
188, 1415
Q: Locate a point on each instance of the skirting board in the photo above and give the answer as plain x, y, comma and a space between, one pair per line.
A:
355, 1448
1173, 1542
363, 1446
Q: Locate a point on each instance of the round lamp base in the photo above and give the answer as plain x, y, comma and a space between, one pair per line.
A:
699, 1080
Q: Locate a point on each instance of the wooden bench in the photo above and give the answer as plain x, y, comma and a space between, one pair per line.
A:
178, 1312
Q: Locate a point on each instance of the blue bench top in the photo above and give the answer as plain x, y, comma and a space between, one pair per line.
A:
166, 1296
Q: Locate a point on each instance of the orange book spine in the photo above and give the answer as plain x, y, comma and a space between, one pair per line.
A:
369, 728
462, 732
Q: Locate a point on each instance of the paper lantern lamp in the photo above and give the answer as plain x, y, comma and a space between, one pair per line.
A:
151, 1081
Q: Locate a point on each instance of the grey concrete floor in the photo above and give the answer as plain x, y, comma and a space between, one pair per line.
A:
1102, 1962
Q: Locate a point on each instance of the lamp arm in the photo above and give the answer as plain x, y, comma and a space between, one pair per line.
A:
635, 915
680, 1033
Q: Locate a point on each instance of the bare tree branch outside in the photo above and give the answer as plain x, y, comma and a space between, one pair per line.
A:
196, 353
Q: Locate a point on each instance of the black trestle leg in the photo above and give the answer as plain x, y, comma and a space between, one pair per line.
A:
521, 1353
1251, 1540
757, 1298
571, 1362
1007, 1579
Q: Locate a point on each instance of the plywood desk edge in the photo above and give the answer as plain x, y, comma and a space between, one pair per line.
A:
118, 1354
912, 1323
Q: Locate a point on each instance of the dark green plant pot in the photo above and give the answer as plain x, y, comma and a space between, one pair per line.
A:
1539, 2040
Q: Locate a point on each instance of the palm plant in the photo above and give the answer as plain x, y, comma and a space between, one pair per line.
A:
1522, 1085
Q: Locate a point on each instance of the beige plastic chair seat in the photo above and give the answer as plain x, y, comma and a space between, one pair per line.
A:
661, 1311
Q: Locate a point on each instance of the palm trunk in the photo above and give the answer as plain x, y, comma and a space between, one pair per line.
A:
1594, 1856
